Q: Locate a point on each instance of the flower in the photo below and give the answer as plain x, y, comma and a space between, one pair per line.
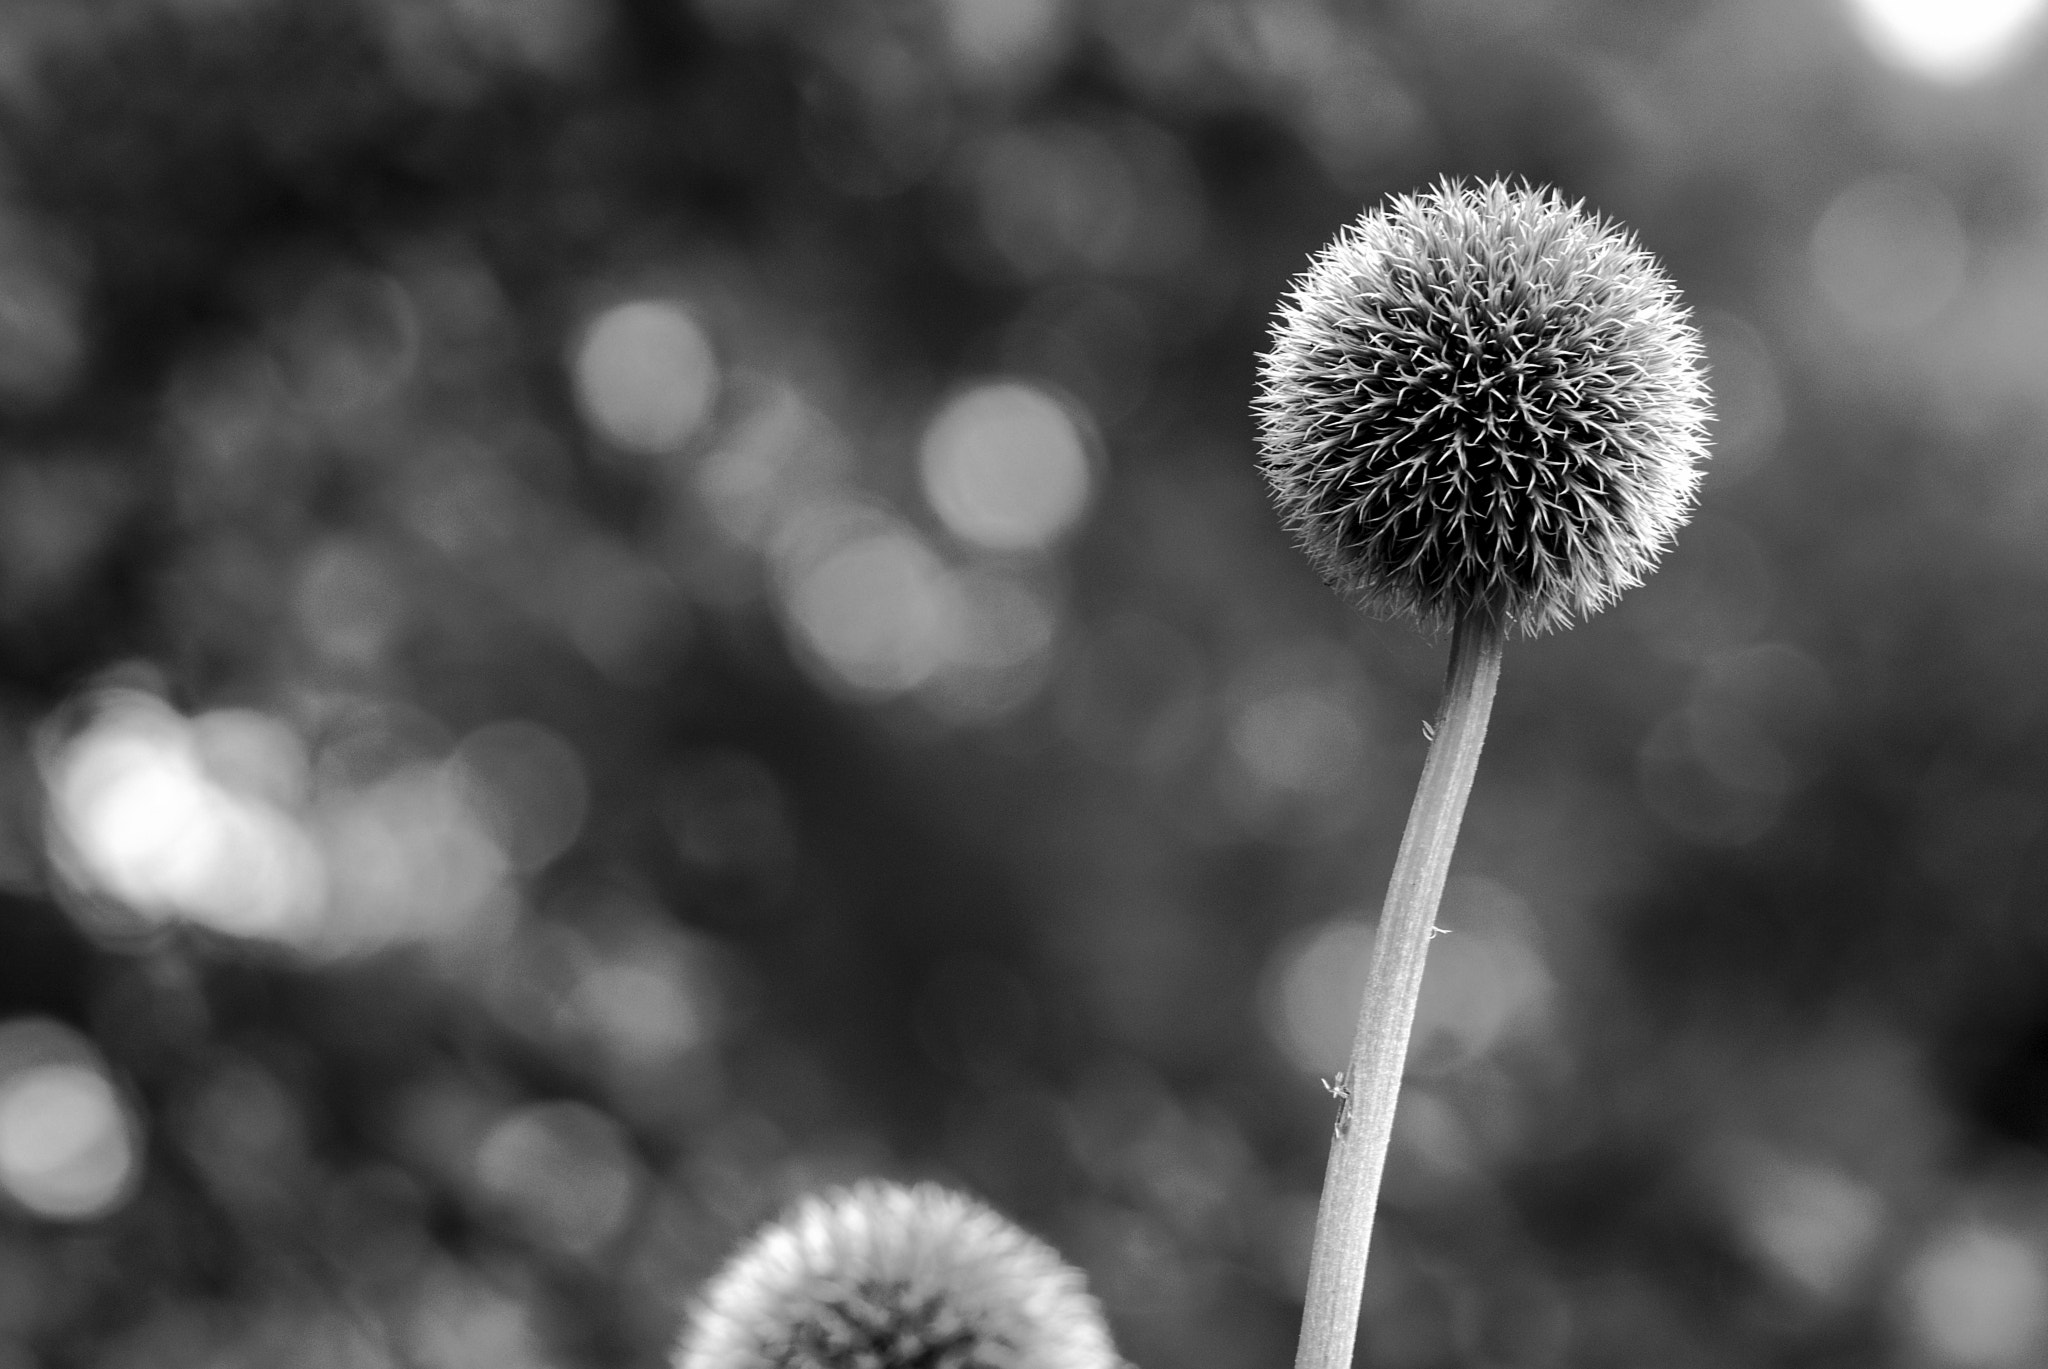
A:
1483, 398
880, 1276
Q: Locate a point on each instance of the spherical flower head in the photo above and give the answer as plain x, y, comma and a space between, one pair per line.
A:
881, 1276
1483, 398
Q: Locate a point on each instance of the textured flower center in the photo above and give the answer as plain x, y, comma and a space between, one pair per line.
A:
1489, 437
881, 1325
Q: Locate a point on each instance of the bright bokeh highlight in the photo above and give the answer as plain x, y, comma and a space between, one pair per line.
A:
1949, 40
1978, 1296
218, 821
645, 375
67, 1143
181, 819
1005, 467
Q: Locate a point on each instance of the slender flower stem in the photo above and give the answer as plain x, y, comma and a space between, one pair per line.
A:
1358, 1154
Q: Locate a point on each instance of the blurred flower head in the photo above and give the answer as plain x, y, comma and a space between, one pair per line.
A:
887, 1277
1485, 398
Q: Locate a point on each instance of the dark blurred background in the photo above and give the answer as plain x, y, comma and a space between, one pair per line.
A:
612, 609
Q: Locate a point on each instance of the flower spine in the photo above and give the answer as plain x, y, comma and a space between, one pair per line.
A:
1483, 398
881, 1276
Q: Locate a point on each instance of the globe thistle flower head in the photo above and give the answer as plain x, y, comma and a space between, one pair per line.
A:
1483, 398
881, 1276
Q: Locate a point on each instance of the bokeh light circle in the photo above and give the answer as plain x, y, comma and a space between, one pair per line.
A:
1005, 467
1953, 40
562, 1170
530, 785
878, 610
1977, 1297
645, 375
1890, 254
67, 1141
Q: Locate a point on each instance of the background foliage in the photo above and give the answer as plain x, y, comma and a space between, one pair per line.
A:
610, 609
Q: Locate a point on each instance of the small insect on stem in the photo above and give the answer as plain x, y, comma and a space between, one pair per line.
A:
1339, 1090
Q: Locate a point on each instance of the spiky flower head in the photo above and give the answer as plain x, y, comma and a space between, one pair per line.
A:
1482, 397
880, 1276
